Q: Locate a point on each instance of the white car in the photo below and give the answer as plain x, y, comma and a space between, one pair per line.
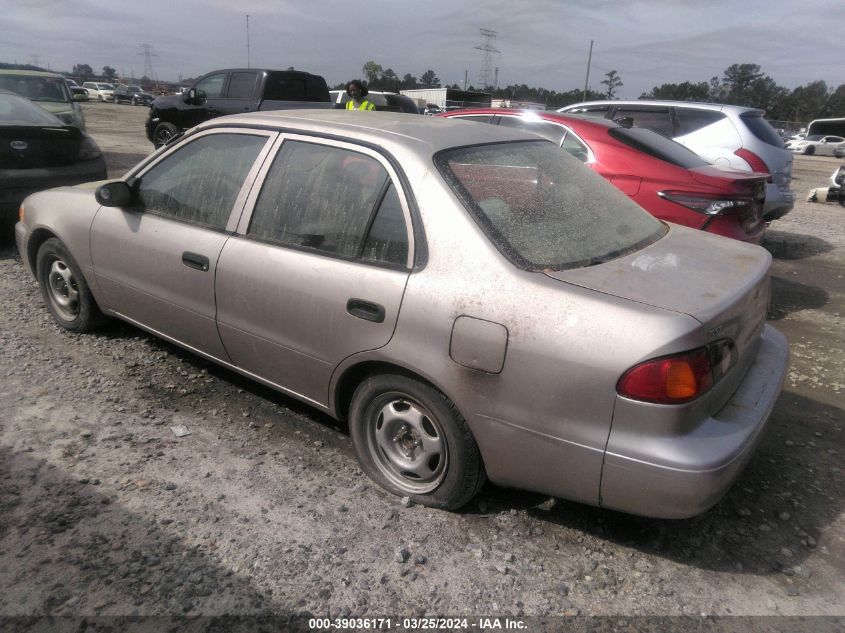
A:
823, 145
99, 90
729, 136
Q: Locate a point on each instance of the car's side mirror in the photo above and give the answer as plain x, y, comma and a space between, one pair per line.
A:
114, 194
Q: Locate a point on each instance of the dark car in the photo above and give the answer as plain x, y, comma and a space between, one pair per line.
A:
132, 94
79, 93
38, 151
234, 91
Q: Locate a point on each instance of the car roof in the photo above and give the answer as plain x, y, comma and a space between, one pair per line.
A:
392, 130
30, 73
676, 104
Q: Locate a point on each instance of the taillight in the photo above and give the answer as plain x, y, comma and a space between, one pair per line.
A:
755, 162
679, 378
707, 204
21, 212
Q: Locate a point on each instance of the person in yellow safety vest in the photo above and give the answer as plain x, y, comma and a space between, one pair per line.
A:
357, 91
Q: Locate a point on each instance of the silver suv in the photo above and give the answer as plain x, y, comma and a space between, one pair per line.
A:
726, 135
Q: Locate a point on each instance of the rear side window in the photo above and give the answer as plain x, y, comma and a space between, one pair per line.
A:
691, 120
325, 198
656, 119
550, 131
595, 111
658, 146
478, 118
199, 182
761, 129
295, 87
241, 85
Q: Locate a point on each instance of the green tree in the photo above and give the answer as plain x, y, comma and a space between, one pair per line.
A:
409, 82
429, 80
686, 91
612, 82
109, 73
835, 106
372, 71
389, 80
83, 71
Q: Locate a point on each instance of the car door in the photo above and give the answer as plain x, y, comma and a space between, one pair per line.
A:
211, 89
318, 268
155, 261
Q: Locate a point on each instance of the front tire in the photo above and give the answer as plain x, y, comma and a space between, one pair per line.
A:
810, 150
412, 441
64, 289
163, 133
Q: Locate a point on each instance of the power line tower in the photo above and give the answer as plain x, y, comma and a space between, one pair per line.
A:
147, 52
487, 48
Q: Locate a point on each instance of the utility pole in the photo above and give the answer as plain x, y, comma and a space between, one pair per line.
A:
247, 40
487, 48
466, 72
587, 78
147, 52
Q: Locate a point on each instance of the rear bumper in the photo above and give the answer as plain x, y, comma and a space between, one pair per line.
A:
681, 475
17, 184
779, 201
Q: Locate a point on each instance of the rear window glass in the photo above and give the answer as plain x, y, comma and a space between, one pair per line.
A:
691, 120
542, 208
17, 111
658, 146
37, 88
295, 87
550, 131
761, 129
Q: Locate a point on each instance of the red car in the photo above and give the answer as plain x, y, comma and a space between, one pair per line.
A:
664, 177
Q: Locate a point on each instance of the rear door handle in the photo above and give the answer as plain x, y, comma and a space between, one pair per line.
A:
194, 260
366, 310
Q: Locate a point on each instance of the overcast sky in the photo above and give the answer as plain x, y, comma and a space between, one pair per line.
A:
542, 42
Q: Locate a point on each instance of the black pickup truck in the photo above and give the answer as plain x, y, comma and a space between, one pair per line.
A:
234, 91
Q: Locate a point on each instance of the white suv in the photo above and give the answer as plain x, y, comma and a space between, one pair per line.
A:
99, 90
726, 135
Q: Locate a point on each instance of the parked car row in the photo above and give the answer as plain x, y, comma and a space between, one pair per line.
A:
453, 289
820, 144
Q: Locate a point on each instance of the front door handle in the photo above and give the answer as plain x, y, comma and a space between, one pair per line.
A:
193, 260
366, 310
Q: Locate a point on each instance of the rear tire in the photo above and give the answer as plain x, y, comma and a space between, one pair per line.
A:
65, 290
412, 441
810, 150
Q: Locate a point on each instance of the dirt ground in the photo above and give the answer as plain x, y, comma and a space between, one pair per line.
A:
262, 509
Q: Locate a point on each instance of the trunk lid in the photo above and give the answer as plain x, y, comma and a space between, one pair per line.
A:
29, 146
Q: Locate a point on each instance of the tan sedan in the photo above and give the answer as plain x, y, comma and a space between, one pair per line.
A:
476, 303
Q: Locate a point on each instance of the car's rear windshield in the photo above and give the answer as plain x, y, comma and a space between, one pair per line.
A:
762, 129
45, 89
105, 87
17, 111
658, 146
282, 86
542, 208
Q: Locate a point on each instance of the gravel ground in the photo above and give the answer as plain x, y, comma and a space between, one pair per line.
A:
263, 509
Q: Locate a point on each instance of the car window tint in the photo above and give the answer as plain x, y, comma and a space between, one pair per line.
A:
690, 120
212, 86
574, 146
285, 86
199, 182
658, 146
478, 118
542, 208
387, 240
762, 129
657, 119
594, 111
550, 131
241, 85
318, 197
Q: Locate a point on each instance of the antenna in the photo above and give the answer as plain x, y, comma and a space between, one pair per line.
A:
487, 48
247, 40
147, 52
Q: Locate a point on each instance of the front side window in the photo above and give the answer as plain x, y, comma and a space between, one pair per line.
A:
542, 208
330, 200
199, 182
212, 86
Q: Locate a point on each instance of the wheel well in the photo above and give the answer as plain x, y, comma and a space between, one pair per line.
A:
38, 237
356, 374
